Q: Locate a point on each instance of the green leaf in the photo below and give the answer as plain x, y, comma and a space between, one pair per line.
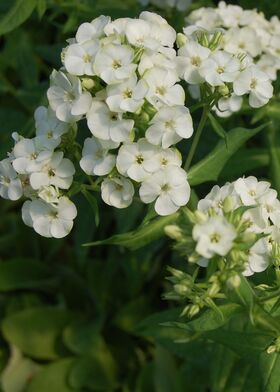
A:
53, 377
41, 8
37, 331
93, 373
140, 237
245, 161
93, 204
217, 127
18, 14
24, 274
270, 370
242, 294
209, 168
166, 373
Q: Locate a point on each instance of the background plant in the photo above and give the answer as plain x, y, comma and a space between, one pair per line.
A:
85, 317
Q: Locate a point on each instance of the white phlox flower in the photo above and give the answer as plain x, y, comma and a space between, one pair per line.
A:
92, 31
214, 237
138, 160
117, 192
107, 125
96, 159
169, 189
50, 220
10, 183
127, 96
79, 58
170, 125
66, 97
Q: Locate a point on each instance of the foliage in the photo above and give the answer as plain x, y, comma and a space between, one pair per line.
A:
93, 318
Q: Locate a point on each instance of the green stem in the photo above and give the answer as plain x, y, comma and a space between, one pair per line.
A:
197, 137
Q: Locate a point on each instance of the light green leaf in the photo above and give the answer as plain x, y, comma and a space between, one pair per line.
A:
18, 14
209, 168
36, 331
270, 370
140, 237
53, 377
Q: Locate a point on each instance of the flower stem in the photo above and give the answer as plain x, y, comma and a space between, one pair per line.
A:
197, 137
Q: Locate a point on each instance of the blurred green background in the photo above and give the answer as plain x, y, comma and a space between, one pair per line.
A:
75, 318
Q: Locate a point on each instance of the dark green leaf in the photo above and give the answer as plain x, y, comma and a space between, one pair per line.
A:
209, 168
93, 204
270, 370
18, 14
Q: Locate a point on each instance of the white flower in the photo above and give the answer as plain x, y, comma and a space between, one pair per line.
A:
96, 159
50, 220
258, 258
79, 58
117, 28
169, 187
10, 184
162, 87
49, 194
57, 171
270, 206
48, 127
114, 63
127, 96
91, 31
163, 58
190, 61
107, 125
139, 34
250, 189
169, 126
169, 157
219, 68
117, 192
242, 40
217, 197
137, 160
226, 106
161, 30
29, 155
214, 237
268, 64
66, 97
256, 83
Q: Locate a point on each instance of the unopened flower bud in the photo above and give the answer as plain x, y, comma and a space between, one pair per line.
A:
228, 204
181, 40
234, 282
181, 289
174, 232
223, 90
88, 83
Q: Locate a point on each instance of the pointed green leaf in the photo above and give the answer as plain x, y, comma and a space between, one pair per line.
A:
270, 371
210, 167
140, 237
217, 127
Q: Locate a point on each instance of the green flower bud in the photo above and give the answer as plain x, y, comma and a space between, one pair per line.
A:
174, 232
88, 83
234, 282
223, 90
181, 40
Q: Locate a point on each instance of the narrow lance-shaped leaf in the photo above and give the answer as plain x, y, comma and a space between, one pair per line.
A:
140, 237
209, 168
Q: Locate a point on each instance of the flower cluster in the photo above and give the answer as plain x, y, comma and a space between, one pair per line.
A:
180, 5
120, 78
238, 222
235, 230
247, 36
38, 171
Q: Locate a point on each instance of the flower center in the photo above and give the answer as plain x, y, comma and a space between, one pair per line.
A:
161, 90
241, 45
51, 173
33, 156
139, 159
165, 188
50, 134
170, 124
164, 161
87, 58
196, 61
252, 192
118, 187
215, 238
69, 97
5, 180
253, 84
113, 116
53, 214
116, 64
220, 69
127, 93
